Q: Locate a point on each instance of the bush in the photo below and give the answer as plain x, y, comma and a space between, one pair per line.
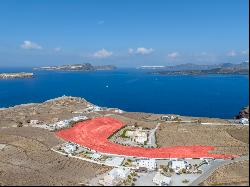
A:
19, 124
123, 135
184, 170
171, 170
185, 181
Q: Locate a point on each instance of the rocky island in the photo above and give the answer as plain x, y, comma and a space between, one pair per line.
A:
16, 75
77, 67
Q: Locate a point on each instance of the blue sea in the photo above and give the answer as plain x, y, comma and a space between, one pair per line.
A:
220, 96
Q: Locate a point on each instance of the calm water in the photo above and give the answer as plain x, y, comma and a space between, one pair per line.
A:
134, 90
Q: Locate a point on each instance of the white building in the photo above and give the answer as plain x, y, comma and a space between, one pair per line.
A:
115, 176
79, 118
138, 136
141, 139
244, 121
130, 133
140, 133
114, 161
69, 148
150, 164
178, 165
97, 108
118, 111
61, 124
34, 122
96, 156
161, 180
167, 118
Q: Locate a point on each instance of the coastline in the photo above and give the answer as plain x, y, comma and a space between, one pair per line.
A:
84, 100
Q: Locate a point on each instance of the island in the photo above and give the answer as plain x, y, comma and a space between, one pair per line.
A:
223, 69
205, 72
151, 67
105, 67
89, 145
16, 75
76, 67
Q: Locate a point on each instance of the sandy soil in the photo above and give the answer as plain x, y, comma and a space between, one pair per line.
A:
227, 139
236, 174
27, 160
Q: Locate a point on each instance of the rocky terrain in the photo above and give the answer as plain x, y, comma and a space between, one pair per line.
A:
225, 138
236, 173
25, 155
26, 159
244, 113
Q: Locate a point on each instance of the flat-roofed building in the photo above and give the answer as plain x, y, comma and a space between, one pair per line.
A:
150, 164
69, 148
114, 161
244, 121
178, 165
115, 176
161, 180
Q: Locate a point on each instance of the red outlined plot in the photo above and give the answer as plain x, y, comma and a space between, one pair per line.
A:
94, 134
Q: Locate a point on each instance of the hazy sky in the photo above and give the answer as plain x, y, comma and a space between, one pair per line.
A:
123, 32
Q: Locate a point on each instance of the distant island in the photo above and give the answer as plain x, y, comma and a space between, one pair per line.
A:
192, 66
16, 75
151, 67
77, 67
193, 69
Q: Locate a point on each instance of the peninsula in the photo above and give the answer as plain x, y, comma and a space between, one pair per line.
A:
16, 75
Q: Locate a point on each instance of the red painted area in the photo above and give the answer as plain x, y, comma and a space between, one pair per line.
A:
94, 134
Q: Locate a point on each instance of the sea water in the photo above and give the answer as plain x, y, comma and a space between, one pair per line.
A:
134, 90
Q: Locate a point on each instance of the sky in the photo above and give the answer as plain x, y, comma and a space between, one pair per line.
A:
125, 33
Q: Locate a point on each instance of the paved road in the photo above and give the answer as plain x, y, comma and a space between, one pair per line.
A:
215, 166
152, 135
194, 123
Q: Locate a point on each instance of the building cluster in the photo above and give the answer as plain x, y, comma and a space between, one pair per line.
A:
115, 176
89, 109
69, 148
135, 136
139, 136
144, 164
58, 125
169, 118
244, 121
161, 180
126, 168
